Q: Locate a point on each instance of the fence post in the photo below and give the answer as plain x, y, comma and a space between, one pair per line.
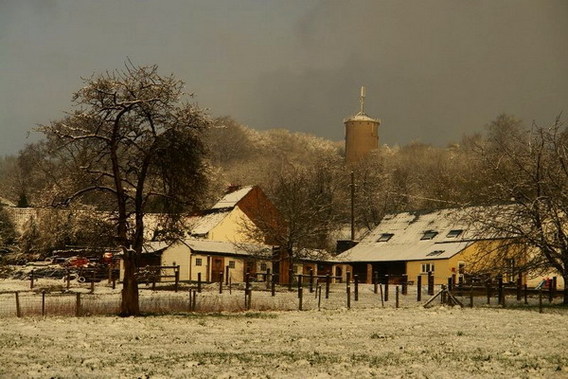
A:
519, 286
488, 285
550, 291
273, 285
247, 291
375, 282
190, 300
68, 279
471, 296
43, 303
404, 284
450, 287
300, 293
32, 279
290, 278
327, 284
500, 290
113, 282
78, 304
227, 275
419, 288
18, 310
311, 280
220, 282
176, 273
93, 282
348, 289
396, 296
199, 282
319, 297
386, 287
526, 294
430, 284
109, 273
356, 277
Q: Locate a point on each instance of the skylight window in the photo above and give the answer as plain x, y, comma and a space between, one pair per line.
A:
385, 237
429, 234
454, 233
435, 253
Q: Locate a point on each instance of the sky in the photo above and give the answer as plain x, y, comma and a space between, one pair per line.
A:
434, 70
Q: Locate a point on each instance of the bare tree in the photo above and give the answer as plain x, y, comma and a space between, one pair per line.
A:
132, 139
528, 169
307, 200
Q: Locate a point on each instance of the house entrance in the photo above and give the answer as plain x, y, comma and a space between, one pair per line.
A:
217, 268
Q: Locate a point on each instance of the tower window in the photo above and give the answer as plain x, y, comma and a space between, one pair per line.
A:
429, 234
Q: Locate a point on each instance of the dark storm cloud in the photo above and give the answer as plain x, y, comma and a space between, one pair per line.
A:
434, 69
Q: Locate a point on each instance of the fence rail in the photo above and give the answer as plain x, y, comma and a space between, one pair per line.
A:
308, 292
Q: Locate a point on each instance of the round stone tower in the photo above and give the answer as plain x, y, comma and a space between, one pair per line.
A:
361, 134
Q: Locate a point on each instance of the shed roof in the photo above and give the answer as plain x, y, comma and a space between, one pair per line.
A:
403, 237
201, 225
229, 248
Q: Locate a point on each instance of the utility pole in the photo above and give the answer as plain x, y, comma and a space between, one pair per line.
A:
352, 185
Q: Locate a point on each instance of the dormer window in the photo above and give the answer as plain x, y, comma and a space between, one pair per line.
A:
435, 253
385, 237
429, 234
454, 233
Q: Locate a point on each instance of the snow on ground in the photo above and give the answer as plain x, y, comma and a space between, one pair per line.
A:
412, 342
368, 341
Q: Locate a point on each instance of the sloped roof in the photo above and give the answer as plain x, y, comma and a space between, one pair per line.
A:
201, 225
406, 243
221, 247
231, 199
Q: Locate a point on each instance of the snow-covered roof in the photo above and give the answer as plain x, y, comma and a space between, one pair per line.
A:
231, 199
411, 236
361, 117
201, 225
6, 202
154, 246
221, 247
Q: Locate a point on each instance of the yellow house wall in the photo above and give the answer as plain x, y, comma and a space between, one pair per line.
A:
177, 254
231, 228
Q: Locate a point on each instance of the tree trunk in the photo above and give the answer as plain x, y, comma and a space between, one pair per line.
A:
129, 305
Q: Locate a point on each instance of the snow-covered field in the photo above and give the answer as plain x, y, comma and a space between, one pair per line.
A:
411, 342
369, 340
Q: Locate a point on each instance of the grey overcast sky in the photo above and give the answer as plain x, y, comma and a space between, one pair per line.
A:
434, 70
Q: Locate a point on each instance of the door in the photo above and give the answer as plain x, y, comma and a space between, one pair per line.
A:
250, 268
217, 267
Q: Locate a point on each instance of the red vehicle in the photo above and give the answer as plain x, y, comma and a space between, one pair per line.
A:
77, 262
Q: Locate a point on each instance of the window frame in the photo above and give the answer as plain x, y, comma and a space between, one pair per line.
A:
452, 233
385, 237
429, 235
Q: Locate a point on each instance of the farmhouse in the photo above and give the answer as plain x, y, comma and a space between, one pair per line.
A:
219, 239
442, 242
210, 259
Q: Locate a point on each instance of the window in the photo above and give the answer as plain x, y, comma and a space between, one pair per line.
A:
263, 267
198, 261
429, 234
231, 264
385, 237
435, 253
427, 267
454, 233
